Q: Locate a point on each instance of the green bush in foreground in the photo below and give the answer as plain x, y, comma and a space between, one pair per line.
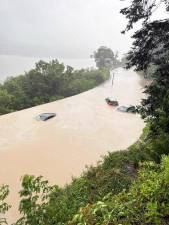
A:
146, 202
4, 191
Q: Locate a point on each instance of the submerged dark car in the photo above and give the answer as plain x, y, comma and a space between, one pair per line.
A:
111, 101
131, 109
46, 116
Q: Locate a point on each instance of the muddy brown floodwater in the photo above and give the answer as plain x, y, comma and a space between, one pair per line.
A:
84, 129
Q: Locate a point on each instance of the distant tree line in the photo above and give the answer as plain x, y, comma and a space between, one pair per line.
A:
48, 81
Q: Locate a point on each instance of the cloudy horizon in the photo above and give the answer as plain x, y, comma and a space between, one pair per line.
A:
65, 29
62, 29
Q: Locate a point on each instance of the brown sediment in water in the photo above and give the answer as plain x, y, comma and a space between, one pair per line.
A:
84, 129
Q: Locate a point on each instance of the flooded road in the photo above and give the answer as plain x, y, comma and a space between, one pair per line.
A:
84, 129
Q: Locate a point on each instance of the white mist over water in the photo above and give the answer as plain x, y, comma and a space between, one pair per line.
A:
11, 65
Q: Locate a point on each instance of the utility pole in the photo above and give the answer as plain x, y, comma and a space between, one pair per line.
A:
113, 79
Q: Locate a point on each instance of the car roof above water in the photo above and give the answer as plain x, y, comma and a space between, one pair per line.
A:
46, 116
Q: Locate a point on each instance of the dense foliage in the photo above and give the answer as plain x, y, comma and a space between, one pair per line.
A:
45, 83
151, 49
106, 58
146, 202
141, 10
4, 191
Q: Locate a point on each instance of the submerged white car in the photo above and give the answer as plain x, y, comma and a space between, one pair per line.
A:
46, 116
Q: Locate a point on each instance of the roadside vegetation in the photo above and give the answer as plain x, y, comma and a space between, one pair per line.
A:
48, 81
128, 187
146, 201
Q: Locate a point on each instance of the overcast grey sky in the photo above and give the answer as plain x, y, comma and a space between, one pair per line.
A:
61, 28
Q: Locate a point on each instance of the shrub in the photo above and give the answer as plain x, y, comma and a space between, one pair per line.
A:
146, 202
